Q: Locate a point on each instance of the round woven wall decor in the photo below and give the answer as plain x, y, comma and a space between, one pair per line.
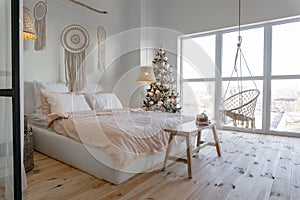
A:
40, 10
75, 38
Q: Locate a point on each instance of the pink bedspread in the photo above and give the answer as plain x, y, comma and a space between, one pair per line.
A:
123, 133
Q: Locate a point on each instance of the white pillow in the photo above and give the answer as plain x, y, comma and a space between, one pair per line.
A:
52, 87
57, 87
61, 103
101, 101
92, 87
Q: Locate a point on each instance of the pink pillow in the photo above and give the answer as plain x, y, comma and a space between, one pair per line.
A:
45, 106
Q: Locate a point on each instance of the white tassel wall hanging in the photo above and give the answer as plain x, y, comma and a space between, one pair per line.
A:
39, 12
75, 40
101, 35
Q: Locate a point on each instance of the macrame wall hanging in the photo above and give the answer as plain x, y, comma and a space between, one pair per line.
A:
75, 40
39, 12
101, 48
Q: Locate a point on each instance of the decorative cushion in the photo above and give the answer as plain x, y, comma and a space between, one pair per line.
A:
53, 87
45, 107
101, 101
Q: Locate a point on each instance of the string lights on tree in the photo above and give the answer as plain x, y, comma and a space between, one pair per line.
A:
162, 95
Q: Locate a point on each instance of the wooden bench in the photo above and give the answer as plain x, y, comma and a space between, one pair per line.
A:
187, 130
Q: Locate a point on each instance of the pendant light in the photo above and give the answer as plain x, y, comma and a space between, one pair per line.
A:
146, 74
29, 32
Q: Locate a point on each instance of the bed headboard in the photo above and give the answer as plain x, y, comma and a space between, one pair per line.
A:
28, 98
30, 95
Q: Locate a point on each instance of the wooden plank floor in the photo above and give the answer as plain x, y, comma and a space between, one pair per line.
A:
252, 166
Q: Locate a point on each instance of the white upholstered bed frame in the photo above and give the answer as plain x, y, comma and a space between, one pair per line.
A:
90, 160
86, 158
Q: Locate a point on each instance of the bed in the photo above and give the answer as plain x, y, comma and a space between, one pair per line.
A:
112, 159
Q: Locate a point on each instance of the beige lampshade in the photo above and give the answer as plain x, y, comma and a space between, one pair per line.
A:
28, 27
146, 75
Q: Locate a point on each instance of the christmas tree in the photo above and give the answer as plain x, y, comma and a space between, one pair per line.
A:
162, 95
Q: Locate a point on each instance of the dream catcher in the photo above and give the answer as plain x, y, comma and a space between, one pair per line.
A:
241, 106
39, 12
101, 48
75, 40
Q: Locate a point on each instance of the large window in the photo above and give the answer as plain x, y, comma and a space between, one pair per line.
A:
285, 87
198, 71
271, 53
253, 50
285, 49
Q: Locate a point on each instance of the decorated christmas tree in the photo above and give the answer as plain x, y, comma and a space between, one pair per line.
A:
162, 95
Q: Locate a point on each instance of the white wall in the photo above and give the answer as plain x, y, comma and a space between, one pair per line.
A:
194, 16
172, 17
122, 46
48, 64
191, 16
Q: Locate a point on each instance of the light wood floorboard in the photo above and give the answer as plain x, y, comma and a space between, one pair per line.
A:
252, 166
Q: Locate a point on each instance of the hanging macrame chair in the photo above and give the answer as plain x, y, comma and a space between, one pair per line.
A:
240, 107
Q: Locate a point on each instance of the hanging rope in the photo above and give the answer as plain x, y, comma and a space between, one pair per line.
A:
240, 106
239, 18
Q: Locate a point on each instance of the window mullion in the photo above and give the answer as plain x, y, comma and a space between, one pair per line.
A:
266, 112
218, 76
180, 75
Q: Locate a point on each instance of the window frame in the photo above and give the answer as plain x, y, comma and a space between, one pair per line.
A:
267, 76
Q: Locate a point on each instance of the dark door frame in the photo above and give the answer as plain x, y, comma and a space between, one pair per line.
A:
14, 93
15, 56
